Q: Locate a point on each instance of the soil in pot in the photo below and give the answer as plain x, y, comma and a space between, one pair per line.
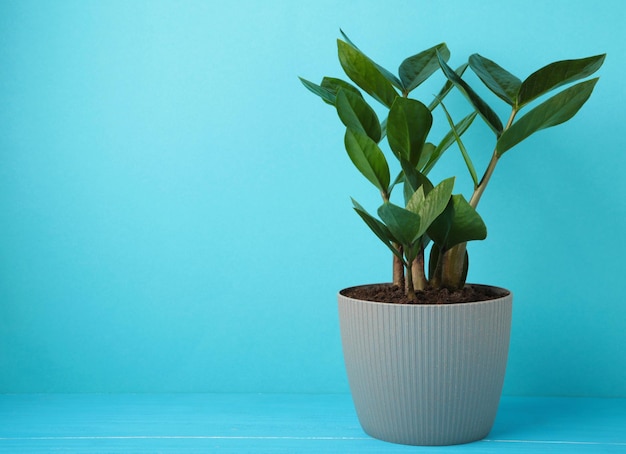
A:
389, 293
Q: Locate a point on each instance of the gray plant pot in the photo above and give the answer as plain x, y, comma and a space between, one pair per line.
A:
426, 374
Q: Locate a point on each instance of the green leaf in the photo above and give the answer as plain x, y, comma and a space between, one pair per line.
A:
416, 200
557, 74
433, 262
327, 95
504, 84
556, 110
427, 153
430, 206
365, 73
447, 141
399, 179
327, 90
416, 69
413, 180
379, 229
467, 225
408, 124
481, 106
368, 158
357, 114
446, 88
457, 138
403, 224
383, 129
458, 223
348, 40
387, 74
334, 85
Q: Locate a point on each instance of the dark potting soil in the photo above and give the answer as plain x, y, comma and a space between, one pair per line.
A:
388, 293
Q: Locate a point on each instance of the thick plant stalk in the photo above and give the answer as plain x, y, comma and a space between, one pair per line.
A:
410, 289
398, 269
452, 267
419, 277
484, 181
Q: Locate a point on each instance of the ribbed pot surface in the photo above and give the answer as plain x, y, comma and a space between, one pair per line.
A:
426, 374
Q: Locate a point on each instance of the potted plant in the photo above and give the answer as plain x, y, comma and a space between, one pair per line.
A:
426, 354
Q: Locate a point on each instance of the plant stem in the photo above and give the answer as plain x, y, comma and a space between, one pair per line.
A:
484, 181
419, 276
452, 263
398, 268
478, 192
410, 289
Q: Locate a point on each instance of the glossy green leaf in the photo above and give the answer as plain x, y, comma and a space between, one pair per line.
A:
365, 73
557, 74
408, 191
357, 114
327, 90
433, 261
408, 124
504, 84
458, 223
348, 40
334, 84
387, 74
447, 141
368, 158
490, 117
379, 229
399, 179
426, 155
383, 129
327, 95
556, 110
430, 206
413, 180
416, 69
446, 88
403, 224
416, 200
467, 225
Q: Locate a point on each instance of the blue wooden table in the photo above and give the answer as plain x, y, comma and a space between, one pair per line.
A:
277, 423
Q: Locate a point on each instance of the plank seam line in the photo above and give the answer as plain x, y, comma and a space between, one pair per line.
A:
219, 437
181, 437
557, 442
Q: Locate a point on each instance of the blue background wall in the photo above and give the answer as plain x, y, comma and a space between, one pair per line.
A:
175, 212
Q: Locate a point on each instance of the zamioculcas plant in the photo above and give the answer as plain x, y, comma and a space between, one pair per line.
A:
432, 213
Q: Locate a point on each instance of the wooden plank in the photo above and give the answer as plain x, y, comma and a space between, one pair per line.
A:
281, 423
567, 419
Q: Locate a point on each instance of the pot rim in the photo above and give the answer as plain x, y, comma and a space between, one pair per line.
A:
506, 294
